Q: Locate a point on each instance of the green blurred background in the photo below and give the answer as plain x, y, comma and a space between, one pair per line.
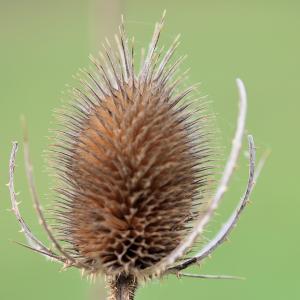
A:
43, 43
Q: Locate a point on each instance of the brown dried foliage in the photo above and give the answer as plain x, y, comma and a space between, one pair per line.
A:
133, 170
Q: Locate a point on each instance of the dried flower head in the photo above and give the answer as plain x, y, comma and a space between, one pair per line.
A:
134, 163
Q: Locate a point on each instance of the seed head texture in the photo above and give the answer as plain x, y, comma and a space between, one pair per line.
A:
133, 161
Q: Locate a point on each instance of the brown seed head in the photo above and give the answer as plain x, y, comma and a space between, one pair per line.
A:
133, 162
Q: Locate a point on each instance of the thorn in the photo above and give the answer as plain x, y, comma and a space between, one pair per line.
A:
82, 273
65, 266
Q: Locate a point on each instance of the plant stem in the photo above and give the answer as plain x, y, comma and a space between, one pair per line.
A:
122, 287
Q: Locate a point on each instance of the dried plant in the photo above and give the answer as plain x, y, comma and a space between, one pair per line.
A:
134, 165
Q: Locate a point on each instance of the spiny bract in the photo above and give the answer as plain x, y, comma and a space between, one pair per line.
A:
133, 162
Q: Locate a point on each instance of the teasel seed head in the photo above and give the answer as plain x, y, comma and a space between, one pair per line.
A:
133, 161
